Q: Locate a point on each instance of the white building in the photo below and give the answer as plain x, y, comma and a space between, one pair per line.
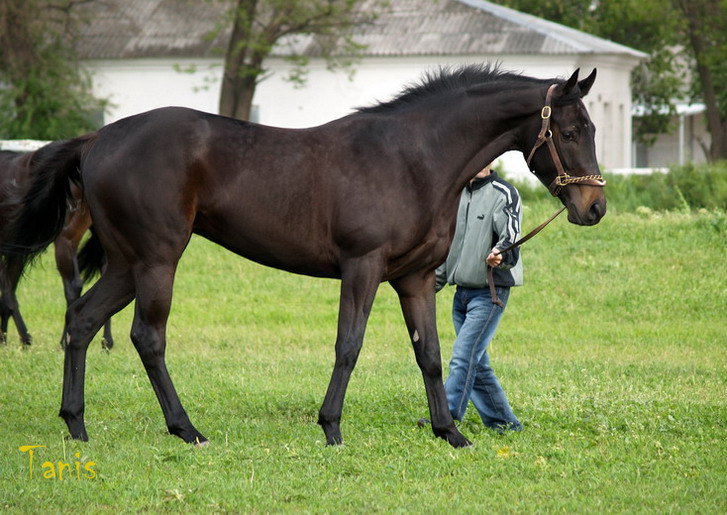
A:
136, 50
689, 142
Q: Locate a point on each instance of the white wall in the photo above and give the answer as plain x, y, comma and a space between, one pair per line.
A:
680, 146
138, 85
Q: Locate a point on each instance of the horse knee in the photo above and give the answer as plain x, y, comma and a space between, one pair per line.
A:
77, 334
431, 369
75, 287
347, 356
147, 343
429, 362
73, 340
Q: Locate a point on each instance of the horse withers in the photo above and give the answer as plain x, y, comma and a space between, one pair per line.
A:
367, 198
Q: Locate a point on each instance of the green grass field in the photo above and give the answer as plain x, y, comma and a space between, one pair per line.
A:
614, 356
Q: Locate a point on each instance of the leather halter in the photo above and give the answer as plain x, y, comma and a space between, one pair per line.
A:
546, 136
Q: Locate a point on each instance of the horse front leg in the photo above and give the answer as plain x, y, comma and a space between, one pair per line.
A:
359, 282
148, 334
418, 304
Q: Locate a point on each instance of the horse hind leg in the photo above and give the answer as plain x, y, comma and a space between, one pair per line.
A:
5, 313
9, 307
148, 333
25, 337
107, 342
418, 305
83, 320
67, 264
65, 251
4, 320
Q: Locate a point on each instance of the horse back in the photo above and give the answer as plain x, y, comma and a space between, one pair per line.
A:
296, 199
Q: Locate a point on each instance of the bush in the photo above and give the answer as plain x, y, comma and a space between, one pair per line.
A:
683, 188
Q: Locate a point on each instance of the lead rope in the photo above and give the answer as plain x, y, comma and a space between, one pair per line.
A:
490, 275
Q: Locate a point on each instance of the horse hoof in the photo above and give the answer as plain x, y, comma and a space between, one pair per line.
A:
75, 424
333, 437
453, 437
80, 436
189, 435
201, 443
3, 338
458, 441
107, 345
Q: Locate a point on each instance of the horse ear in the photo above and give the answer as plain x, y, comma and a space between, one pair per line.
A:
570, 83
585, 84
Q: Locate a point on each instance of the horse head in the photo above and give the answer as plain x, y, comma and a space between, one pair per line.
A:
568, 167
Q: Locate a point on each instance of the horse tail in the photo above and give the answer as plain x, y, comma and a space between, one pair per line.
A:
91, 257
39, 209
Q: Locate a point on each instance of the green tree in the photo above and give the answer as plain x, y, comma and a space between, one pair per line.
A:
258, 25
687, 45
705, 34
44, 94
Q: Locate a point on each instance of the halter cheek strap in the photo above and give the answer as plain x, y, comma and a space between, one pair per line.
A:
546, 136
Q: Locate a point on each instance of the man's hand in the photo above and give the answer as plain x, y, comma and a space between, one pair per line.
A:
494, 258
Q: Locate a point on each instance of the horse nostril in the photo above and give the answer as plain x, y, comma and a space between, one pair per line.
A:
596, 211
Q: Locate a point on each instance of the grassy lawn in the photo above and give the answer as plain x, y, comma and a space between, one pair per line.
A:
614, 356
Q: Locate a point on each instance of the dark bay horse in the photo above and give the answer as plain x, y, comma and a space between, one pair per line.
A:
14, 176
367, 198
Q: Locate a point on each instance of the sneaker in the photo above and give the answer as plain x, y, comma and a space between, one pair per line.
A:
504, 428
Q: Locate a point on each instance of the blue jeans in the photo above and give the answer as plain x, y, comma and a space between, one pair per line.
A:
470, 375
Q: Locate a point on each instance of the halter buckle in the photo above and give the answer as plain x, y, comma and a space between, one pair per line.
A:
545, 112
563, 180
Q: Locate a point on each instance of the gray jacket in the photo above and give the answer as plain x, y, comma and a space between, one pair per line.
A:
489, 216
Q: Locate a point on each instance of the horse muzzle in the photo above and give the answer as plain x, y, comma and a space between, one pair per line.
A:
591, 215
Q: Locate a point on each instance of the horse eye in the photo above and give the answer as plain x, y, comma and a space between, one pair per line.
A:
568, 135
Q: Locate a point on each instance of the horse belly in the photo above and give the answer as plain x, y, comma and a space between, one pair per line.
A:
269, 239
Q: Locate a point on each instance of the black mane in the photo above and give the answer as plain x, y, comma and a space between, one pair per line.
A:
447, 79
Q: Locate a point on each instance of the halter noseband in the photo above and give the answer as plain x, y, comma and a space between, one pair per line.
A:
546, 136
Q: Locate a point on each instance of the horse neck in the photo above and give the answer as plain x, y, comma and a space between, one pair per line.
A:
470, 132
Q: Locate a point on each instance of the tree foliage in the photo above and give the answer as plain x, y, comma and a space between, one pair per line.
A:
258, 25
44, 94
687, 45
705, 33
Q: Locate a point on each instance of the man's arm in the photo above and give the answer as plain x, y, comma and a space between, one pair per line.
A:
506, 224
441, 277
